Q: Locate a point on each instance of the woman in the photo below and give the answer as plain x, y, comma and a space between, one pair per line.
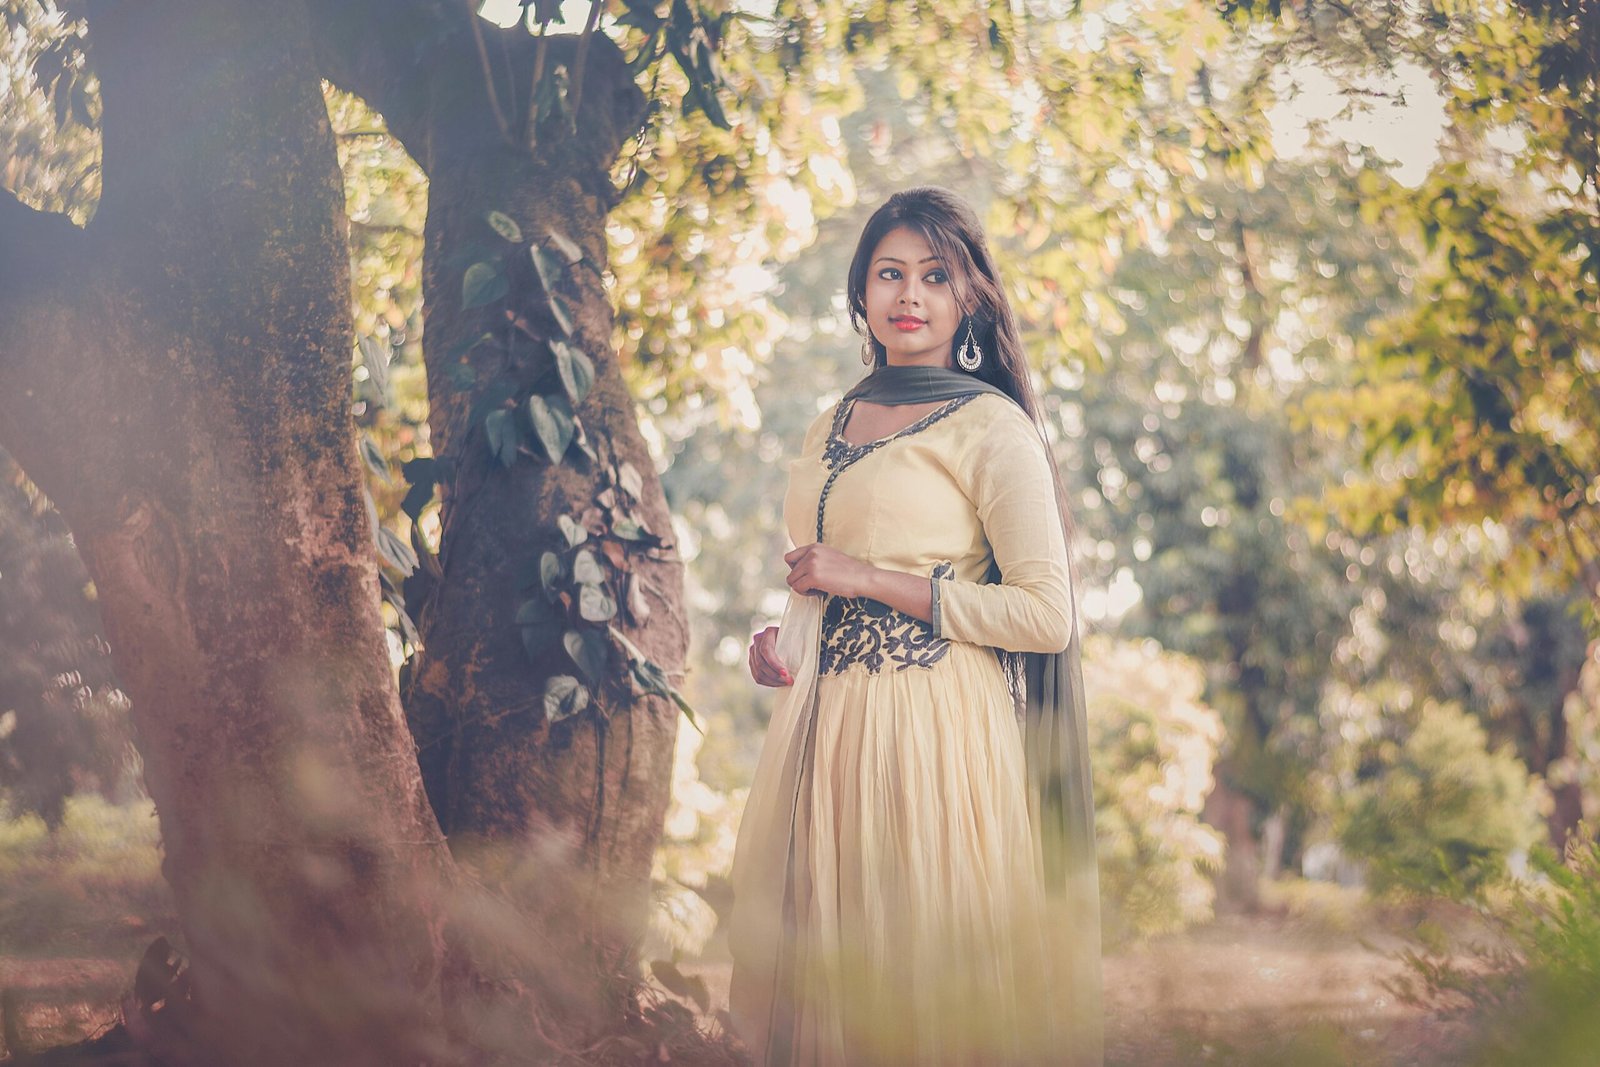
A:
921, 807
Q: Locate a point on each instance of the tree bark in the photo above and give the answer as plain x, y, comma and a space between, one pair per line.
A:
587, 795
177, 379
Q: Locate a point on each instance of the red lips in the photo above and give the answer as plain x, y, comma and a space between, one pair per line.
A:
907, 323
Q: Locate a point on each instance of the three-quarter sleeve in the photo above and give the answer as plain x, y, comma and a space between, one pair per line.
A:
1006, 472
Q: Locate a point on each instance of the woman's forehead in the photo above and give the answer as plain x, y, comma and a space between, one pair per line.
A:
905, 244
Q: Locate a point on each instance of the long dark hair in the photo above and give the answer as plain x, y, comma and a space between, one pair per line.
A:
950, 226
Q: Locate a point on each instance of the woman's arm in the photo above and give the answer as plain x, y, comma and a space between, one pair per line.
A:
1007, 474
816, 568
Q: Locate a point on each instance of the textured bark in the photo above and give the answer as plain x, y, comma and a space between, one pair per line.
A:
176, 377
587, 795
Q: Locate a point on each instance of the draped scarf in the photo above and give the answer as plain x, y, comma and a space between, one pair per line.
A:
1047, 689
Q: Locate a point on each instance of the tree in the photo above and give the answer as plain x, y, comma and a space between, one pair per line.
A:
191, 424
240, 608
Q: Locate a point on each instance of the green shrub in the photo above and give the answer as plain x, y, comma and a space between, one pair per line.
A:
1152, 744
1443, 811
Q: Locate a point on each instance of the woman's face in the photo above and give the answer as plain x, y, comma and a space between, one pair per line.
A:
911, 302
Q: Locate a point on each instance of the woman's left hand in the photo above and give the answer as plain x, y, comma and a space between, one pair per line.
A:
816, 568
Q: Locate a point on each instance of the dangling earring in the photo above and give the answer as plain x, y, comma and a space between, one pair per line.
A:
866, 352
970, 357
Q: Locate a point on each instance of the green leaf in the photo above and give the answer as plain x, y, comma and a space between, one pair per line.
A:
586, 569
552, 423
501, 429
630, 528
549, 267
531, 613
395, 552
563, 317
575, 534
595, 604
505, 226
550, 574
373, 455
688, 712
482, 284
564, 697
588, 649
567, 247
576, 370
375, 356
628, 478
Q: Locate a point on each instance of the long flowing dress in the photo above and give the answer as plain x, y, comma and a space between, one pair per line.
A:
888, 892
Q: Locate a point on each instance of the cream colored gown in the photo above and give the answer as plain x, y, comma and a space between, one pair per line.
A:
887, 885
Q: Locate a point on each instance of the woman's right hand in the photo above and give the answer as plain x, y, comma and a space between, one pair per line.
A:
765, 666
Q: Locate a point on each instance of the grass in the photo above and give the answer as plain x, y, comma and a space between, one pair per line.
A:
94, 887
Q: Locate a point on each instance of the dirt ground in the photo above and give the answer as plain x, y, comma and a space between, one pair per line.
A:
1259, 990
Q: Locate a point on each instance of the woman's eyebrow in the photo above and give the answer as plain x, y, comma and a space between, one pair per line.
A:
891, 259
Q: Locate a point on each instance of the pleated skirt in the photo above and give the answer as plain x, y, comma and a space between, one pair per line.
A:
888, 891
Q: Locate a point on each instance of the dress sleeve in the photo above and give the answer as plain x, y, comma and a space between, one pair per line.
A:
1006, 472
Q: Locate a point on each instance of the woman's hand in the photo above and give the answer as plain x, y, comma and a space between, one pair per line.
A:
765, 666
816, 568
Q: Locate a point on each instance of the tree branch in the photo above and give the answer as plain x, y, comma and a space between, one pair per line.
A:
36, 247
44, 261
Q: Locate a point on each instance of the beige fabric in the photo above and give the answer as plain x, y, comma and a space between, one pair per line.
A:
889, 808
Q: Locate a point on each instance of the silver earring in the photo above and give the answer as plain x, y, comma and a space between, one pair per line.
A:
971, 356
866, 352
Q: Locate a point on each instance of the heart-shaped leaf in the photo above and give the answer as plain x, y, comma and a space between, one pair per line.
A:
566, 246
563, 316
575, 534
505, 226
586, 569
628, 478
588, 650
501, 429
482, 284
549, 574
595, 604
576, 370
552, 424
564, 697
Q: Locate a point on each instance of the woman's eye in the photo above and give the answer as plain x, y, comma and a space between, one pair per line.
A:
889, 274
937, 277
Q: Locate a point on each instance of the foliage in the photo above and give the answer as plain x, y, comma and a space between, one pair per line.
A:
1477, 400
1440, 811
1531, 984
1152, 747
63, 721
93, 883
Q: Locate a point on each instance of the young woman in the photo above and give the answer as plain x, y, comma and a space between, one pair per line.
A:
914, 878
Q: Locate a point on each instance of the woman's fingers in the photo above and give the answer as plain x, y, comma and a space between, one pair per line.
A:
767, 644
765, 667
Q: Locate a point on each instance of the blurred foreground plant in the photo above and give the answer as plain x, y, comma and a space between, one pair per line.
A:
1535, 982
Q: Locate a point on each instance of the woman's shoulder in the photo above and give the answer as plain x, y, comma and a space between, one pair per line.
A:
993, 414
995, 429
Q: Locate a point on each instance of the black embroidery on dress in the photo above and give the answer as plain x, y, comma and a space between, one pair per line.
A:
870, 632
839, 454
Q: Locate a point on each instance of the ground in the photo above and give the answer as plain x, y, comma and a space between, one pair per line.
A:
1305, 982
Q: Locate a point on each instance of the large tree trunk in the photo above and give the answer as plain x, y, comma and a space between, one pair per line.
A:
586, 795
177, 379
